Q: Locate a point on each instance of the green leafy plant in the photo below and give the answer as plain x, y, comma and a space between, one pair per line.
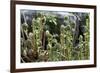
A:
51, 41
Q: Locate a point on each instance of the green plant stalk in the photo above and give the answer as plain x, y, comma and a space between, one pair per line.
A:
34, 40
87, 40
61, 41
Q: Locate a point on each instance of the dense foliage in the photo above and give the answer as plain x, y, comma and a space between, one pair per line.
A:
51, 40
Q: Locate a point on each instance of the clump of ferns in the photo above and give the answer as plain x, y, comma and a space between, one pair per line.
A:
38, 29
83, 48
62, 50
53, 47
66, 41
